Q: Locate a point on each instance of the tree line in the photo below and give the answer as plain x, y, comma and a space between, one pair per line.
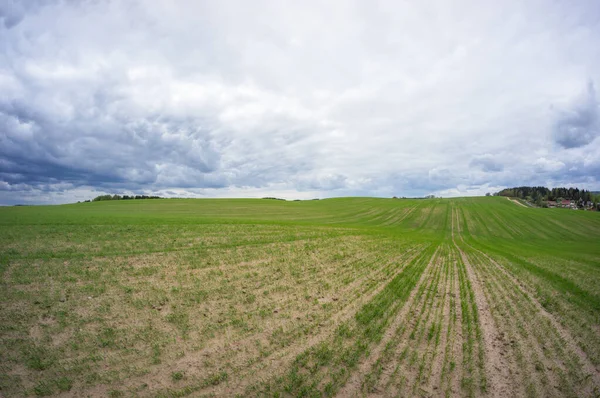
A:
541, 195
102, 198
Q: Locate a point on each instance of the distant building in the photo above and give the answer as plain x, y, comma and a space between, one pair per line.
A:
551, 203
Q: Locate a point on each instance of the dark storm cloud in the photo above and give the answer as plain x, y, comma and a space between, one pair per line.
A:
100, 150
12, 12
580, 125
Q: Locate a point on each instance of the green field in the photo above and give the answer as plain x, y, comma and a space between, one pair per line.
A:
346, 297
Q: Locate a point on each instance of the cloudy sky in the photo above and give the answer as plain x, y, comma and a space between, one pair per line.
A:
297, 99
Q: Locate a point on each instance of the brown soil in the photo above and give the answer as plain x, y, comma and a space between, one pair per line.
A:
497, 365
516, 202
406, 375
457, 341
280, 362
436, 383
246, 367
566, 338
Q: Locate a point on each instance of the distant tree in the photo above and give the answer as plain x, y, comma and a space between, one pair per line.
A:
546, 194
539, 202
125, 197
102, 198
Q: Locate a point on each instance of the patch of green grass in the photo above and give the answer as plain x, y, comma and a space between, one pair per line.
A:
180, 320
39, 358
64, 384
176, 376
44, 389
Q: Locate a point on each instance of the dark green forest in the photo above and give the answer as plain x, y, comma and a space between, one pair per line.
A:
102, 198
540, 196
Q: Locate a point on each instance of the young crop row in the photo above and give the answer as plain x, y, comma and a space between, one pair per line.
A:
545, 269
292, 340
325, 368
412, 351
349, 296
545, 366
134, 315
538, 354
219, 310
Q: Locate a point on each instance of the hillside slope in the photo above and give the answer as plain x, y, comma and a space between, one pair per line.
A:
346, 296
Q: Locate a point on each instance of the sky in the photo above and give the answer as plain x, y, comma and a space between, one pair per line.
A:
296, 99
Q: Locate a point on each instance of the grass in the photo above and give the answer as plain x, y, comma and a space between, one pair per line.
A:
307, 298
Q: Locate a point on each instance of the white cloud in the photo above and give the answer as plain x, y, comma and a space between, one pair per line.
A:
338, 98
548, 165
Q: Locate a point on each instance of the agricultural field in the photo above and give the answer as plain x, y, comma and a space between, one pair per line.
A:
339, 297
